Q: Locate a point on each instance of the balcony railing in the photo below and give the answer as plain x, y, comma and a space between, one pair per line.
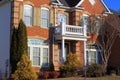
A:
64, 29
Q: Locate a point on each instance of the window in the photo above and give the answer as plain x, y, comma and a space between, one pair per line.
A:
86, 21
36, 56
45, 57
28, 15
45, 17
62, 17
98, 24
38, 52
92, 54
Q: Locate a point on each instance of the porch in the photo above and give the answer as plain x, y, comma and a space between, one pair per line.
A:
70, 32
76, 36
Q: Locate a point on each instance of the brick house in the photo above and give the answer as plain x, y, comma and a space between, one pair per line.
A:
55, 28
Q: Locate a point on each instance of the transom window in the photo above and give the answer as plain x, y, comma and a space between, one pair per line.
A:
38, 51
28, 15
62, 17
45, 17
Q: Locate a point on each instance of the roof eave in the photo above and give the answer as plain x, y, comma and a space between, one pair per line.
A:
79, 3
108, 10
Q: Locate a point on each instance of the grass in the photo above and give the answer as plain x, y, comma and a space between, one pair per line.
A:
96, 78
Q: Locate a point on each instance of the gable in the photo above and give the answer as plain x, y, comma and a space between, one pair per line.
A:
92, 9
94, 6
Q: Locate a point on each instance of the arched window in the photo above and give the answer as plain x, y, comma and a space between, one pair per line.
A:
62, 17
28, 15
45, 17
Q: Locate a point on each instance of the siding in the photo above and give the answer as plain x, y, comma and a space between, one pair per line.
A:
4, 37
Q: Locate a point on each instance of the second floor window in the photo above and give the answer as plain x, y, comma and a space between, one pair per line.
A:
45, 17
86, 21
28, 15
62, 17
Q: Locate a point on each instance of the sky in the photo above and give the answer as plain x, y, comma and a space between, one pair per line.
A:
113, 4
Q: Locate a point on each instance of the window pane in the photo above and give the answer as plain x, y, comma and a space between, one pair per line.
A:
93, 57
44, 23
36, 56
45, 17
45, 52
62, 17
45, 57
28, 15
27, 20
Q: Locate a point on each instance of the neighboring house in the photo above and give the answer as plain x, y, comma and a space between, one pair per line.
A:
55, 28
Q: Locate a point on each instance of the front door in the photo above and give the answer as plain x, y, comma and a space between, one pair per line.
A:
62, 57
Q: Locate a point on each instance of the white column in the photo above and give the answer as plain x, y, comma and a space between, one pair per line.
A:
63, 51
85, 53
62, 24
85, 30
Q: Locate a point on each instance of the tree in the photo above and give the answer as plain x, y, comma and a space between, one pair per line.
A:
106, 29
24, 70
106, 40
13, 51
22, 40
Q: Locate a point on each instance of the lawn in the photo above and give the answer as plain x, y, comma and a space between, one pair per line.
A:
97, 78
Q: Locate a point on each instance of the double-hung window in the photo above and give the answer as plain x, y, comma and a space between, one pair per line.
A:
92, 55
36, 56
45, 17
28, 15
86, 21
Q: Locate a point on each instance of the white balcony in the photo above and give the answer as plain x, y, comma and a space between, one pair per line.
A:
70, 32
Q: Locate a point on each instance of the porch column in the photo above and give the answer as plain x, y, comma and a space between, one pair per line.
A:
85, 61
63, 51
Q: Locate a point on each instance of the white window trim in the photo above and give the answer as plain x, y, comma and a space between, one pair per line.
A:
44, 8
41, 54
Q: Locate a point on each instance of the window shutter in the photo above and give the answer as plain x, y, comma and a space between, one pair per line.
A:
51, 18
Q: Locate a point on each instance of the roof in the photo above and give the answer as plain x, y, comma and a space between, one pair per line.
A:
77, 3
70, 3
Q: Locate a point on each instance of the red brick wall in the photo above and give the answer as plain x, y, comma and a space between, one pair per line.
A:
73, 18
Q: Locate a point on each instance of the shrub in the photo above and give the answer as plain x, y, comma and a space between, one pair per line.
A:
54, 74
51, 67
71, 65
95, 70
46, 74
24, 70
